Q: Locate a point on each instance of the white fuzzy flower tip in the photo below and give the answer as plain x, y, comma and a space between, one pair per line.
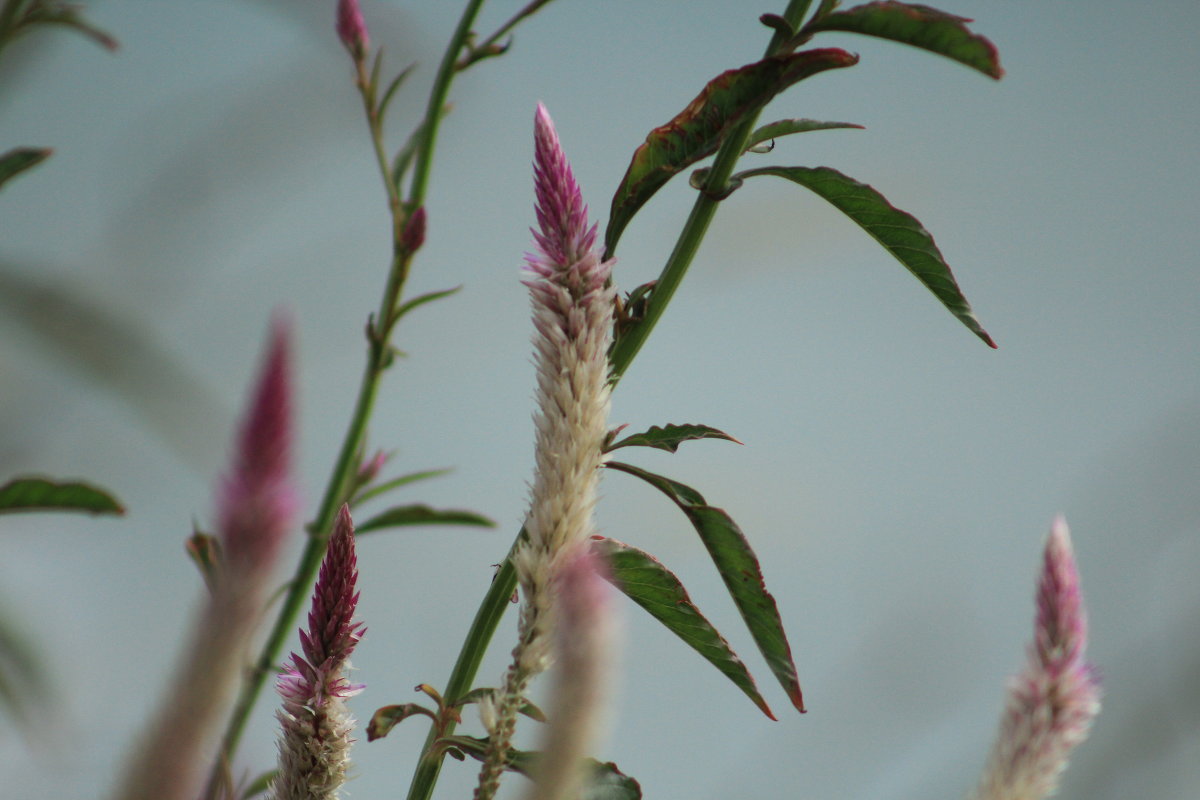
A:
1053, 700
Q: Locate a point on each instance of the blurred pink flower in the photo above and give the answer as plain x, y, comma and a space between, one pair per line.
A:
1053, 700
351, 28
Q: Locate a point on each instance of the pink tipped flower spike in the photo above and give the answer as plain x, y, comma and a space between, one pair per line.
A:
1052, 702
256, 505
257, 502
314, 746
572, 298
351, 28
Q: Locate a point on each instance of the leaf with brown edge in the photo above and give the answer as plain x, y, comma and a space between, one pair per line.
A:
918, 26
900, 233
669, 437
645, 581
739, 569
43, 494
388, 717
698, 130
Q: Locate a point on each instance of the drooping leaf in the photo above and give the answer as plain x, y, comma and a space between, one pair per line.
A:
916, 25
388, 717
739, 569
527, 708
19, 159
783, 127
419, 514
604, 781
669, 437
899, 232
42, 494
697, 131
68, 15
645, 581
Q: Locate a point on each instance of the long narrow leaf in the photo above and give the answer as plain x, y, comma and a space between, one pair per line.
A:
739, 569
41, 494
697, 131
916, 25
418, 514
669, 437
899, 232
785, 127
645, 581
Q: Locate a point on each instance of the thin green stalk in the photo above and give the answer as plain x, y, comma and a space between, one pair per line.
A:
496, 601
437, 101
378, 359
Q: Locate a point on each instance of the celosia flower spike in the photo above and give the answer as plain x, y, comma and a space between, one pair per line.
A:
351, 28
257, 501
1052, 702
572, 297
255, 509
314, 747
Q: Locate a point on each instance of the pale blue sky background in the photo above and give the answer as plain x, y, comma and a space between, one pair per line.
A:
897, 477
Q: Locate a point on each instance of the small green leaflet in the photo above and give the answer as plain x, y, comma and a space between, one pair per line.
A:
784, 127
43, 494
739, 569
899, 232
645, 581
419, 514
388, 717
669, 437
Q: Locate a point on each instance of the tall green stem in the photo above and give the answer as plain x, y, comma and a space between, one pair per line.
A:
491, 610
378, 359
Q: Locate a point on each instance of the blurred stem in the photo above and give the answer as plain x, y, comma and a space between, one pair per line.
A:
491, 610
379, 358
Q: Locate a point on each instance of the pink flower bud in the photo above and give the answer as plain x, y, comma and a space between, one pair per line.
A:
351, 28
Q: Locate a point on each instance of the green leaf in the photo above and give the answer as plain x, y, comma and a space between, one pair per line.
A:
396, 483
669, 437
783, 127
739, 569
899, 232
698, 130
19, 159
68, 15
916, 25
419, 514
645, 581
421, 300
396, 83
41, 494
388, 717
604, 782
